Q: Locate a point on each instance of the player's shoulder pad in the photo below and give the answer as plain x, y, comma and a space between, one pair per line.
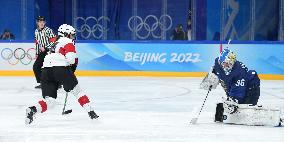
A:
240, 69
62, 41
242, 65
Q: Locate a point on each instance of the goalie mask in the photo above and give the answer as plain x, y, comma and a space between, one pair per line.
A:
227, 60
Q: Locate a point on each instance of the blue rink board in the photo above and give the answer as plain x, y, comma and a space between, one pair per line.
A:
175, 57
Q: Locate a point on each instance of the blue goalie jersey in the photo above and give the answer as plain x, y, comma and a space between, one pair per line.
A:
238, 82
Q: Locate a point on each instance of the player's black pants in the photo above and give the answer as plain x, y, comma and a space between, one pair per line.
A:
53, 76
252, 95
38, 64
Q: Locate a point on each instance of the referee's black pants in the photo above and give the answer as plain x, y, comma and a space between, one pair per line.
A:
38, 64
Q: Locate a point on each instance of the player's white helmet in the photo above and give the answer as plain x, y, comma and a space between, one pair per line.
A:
67, 31
71, 30
62, 30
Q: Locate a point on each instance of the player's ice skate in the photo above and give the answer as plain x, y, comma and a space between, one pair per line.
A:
30, 113
93, 115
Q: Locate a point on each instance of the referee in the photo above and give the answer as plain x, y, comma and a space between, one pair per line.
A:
44, 40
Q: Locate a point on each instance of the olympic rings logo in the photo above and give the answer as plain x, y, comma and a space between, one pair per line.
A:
18, 55
91, 26
151, 25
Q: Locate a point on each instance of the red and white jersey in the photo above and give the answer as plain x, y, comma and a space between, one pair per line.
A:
64, 55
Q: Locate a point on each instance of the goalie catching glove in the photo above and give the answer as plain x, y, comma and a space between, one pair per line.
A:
210, 80
230, 105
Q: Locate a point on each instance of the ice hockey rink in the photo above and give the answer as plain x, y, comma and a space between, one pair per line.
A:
131, 109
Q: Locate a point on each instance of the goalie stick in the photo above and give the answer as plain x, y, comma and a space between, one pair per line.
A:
67, 111
194, 119
221, 45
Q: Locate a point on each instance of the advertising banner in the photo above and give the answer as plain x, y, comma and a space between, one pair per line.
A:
17, 56
157, 57
176, 57
146, 57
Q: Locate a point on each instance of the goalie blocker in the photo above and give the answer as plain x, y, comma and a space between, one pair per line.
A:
245, 114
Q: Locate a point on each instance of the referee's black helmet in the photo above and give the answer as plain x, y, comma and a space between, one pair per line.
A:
40, 18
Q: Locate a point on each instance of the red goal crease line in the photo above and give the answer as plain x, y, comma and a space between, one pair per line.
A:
135, 73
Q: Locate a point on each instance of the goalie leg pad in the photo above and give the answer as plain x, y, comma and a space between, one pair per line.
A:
254, 116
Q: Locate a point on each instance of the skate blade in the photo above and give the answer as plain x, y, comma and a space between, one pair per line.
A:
97, 117
27, 120
67, 112
93, 118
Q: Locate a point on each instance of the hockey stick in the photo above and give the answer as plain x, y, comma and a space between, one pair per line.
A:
194, 119
67, 111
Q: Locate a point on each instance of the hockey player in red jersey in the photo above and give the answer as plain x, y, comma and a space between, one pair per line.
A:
58, 68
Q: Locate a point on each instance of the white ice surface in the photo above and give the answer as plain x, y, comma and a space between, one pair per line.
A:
131, 109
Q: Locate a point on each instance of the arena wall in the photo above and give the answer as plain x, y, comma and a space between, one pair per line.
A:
161, 58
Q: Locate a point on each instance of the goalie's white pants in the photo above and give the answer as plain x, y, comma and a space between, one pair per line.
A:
253, 115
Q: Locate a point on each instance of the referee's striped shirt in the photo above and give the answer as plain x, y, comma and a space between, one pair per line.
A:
44, 38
